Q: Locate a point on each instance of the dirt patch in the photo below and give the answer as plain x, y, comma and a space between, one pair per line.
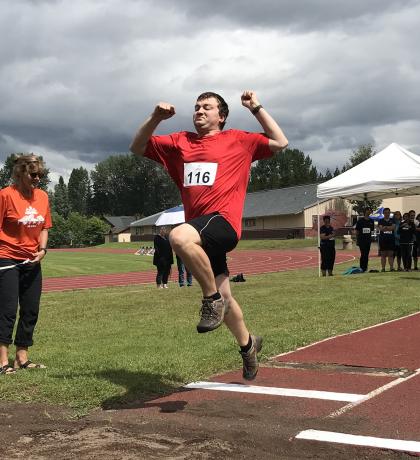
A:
213, 430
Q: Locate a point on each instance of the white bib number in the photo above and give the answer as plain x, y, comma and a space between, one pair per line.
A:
199, 174
366, 230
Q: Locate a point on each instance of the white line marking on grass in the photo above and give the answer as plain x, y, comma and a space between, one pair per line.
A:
289, 392
346, 333
367, 441
373, 394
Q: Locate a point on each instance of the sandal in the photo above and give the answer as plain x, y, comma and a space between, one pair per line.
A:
7, 369
30, 365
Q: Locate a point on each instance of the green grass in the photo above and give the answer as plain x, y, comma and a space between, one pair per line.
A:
58, 264
120, 346
278, 244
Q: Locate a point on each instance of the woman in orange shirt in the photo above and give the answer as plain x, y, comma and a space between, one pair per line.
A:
24, 222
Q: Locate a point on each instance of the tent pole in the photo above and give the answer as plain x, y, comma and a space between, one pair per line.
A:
319, 242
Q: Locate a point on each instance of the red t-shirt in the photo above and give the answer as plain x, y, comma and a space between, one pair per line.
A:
211, 172
21, 222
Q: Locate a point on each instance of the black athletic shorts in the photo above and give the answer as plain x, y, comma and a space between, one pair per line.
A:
218, 238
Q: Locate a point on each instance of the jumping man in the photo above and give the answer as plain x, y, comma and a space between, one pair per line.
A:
211, 169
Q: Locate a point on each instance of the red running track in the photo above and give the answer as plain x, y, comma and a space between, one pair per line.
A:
246, 262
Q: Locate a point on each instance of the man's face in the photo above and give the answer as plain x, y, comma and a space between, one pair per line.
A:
412, 216
206, 114
386, 213
368, 212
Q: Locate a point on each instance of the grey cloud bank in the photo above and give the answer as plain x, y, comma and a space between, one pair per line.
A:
77, 78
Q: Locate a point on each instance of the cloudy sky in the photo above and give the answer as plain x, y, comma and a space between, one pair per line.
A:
77, 78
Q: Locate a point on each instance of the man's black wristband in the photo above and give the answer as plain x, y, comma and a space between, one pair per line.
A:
255, 110
43, 249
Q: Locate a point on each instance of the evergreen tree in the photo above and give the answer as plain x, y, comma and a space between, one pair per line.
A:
79, 190
60, 203
328, 175
288, 168
362, 153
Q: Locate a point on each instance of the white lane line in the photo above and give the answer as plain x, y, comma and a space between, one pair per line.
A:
289, 392
373, 394
367, 441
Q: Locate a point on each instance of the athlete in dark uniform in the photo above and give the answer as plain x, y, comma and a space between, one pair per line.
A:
364, 230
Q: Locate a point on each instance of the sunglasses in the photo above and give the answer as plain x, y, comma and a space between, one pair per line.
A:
34, 175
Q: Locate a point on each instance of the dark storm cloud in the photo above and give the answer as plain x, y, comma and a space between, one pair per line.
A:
77, 78
297, 15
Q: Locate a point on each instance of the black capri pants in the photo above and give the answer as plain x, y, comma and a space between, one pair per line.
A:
19, 286
327, 256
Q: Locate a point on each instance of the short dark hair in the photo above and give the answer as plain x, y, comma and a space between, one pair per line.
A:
367, 209
386, 209
326, 217
223, 107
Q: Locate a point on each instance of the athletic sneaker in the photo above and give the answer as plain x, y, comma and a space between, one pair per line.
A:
249, 358
212, 313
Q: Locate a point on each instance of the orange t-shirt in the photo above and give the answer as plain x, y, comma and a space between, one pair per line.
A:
21, 222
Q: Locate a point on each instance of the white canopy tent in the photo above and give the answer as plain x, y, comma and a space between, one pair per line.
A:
394, 171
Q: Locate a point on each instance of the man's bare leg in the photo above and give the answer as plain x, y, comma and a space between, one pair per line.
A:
234, 320
186, 242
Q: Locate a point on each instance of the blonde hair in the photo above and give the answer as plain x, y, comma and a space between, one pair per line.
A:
27, 164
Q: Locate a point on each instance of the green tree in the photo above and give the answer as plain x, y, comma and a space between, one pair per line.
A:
95, 231
60, 203
76, 231
79, 190
129, 185
58, 235
362, 153
288, 168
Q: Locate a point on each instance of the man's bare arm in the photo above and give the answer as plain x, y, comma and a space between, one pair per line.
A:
277, 139
162, 111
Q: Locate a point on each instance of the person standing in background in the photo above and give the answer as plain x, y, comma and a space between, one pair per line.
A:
407, 230
397, 251
182, 271
163, 257
24, 222
413, 218
327, 247
364, 229
387, 240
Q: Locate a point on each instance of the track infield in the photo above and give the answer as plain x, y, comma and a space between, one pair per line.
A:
244, 261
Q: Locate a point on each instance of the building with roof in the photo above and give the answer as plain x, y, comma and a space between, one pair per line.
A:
120, 229
289, 212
